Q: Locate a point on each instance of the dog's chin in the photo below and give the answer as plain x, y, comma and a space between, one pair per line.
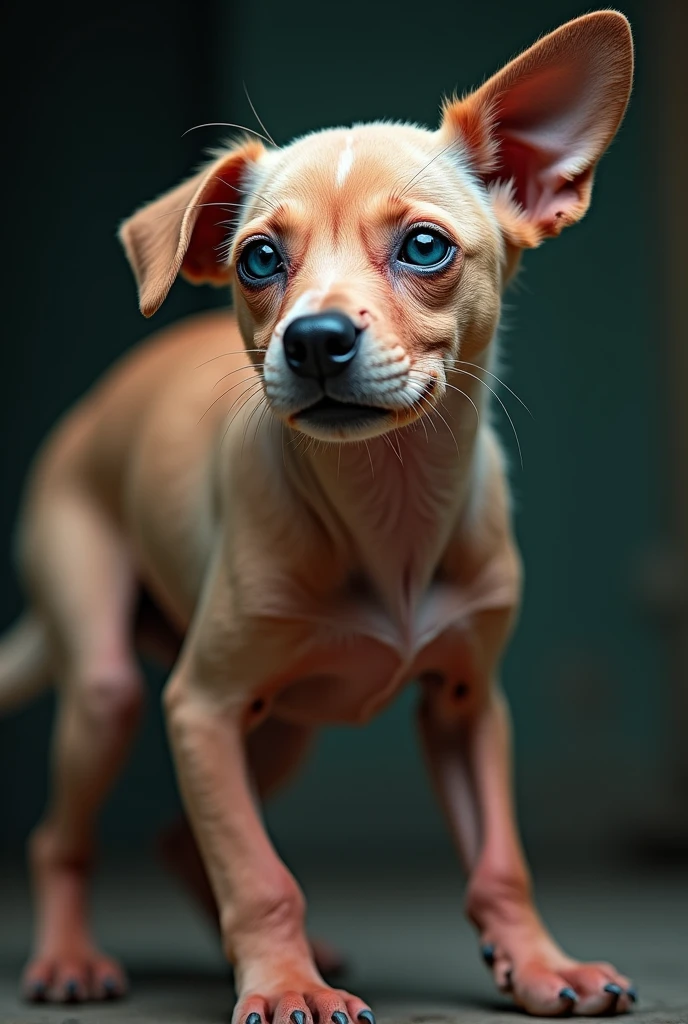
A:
331, 420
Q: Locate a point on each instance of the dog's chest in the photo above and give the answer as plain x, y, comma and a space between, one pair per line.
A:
397, 616
358, 656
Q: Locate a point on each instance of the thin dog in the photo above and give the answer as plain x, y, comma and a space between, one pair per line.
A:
313, 496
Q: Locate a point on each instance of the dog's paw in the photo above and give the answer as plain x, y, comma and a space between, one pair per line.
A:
303, 1005
73, 977
557, 986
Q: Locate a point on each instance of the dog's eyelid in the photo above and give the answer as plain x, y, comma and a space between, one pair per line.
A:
448, 231
431, 226
253, 236
259, 236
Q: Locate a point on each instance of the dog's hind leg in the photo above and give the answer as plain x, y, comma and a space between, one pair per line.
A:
84, 588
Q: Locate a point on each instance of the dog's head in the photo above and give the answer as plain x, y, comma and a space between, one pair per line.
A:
366, 260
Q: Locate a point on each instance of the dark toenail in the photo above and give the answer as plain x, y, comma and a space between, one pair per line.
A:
38, 990
488, 954
367, 1015
110, 987
632, 994
298, 1016
568, 993
71, 990
339, 1018
253, 1018
613, 989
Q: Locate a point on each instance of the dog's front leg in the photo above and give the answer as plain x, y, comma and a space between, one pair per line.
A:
260, 904
466, 736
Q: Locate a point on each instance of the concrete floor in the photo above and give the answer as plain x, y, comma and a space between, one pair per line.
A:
412, 955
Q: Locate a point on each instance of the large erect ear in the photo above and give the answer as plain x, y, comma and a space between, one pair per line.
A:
535, 130
183, 231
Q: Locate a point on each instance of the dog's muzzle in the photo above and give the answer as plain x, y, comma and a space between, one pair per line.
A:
320, 345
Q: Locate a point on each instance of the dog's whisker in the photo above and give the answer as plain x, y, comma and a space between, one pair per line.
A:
434, 409
224, 393
304, 444
386, 439
424, 398
506, 411
260, 420
247, 424
249, 366
298, 440
222, 355
482, 369
423, 169
255, 113
248, 192
198, 206
252, 413
226, 124
466, 395
224, 202
248, 394
453, 388
370, 459
422, 421
396, 436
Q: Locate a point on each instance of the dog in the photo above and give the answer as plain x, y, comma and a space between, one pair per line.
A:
312, 496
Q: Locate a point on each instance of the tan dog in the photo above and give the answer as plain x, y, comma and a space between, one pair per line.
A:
316, 501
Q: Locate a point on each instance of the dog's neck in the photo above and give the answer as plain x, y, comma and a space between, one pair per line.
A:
392, 502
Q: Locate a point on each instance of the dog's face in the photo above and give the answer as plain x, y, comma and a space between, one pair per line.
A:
365, 261
363, 264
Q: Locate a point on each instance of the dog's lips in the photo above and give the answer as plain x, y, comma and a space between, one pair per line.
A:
330, 412
332, 416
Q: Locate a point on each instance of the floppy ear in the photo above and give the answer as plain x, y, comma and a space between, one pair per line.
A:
535, 130
184, 229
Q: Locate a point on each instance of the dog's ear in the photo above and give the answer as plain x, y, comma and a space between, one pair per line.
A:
535, 130
184, 229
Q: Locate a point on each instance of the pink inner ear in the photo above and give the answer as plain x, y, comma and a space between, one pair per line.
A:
203, 259
539, 185
214, 208
543, 121
546, 133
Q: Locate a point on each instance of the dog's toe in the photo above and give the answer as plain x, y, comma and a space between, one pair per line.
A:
73, 979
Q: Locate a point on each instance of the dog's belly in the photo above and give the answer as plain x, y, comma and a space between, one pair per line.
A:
353, 669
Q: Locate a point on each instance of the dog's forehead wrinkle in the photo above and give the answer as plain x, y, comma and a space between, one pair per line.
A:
379, 149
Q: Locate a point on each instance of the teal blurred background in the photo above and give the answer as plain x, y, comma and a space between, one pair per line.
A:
97, 104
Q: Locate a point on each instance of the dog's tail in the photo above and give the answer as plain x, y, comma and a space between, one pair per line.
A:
24, 662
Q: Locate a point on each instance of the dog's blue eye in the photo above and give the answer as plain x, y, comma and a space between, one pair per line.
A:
424, 248
260, 260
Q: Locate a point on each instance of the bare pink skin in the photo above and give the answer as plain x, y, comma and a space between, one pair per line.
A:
179, 853
314, 571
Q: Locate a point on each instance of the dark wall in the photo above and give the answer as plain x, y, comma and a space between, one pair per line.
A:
97, 120
97, 98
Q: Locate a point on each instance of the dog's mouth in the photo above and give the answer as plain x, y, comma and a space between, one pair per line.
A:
330, 412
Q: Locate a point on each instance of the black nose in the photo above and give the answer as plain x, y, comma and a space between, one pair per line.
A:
320, 345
